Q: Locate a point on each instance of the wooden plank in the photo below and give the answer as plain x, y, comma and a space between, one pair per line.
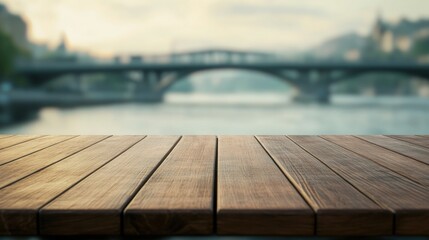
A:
417, 152
417, 140
407, 167
29, 164
94, 206
254, 197
7, 142
341, 209
21, 201
178, 198
408, 200
15, 152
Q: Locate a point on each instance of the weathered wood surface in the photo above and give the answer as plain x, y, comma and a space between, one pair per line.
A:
94, 205
179, 197
254, 197
341, 209
418, 140
34, 162
406, 166
14, 140
408, 149
16, 151
20, 202
406, 199
226, 185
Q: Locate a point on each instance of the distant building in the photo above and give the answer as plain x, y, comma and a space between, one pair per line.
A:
15, 27
396, 40
62, 53
401, 41
62, 46
388, 39
378, 31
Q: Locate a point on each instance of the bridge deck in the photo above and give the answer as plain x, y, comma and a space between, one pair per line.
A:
226, 185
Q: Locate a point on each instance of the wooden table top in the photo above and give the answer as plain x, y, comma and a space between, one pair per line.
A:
205, 185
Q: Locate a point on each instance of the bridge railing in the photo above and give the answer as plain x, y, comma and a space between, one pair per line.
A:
204, 57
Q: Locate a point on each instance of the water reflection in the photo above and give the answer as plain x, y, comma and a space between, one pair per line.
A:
237, 114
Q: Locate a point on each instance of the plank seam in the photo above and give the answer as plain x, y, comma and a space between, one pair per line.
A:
404, 140
215, 190
414, 181
286, 175
31, 139
291, 182
37, 150
390, 149
366, 195
55, 162
80, 180
139, 187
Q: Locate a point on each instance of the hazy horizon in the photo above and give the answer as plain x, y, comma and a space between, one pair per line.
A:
108, 27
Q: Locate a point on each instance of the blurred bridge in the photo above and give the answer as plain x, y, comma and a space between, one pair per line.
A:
158, 73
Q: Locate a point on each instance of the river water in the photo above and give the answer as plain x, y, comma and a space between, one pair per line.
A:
237, 114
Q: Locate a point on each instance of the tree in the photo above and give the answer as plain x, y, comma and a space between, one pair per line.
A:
8, 52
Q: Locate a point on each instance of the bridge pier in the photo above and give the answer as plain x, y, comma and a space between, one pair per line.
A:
82, 84
313, 86
145, 90
229, 57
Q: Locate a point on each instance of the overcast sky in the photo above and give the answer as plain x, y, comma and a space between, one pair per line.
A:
108, 27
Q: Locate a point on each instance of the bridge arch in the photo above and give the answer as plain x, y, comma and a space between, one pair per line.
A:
168, 81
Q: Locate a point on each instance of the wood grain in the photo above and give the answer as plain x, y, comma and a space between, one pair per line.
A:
254, 197
407, 167
408, 200
94, 206
178, 197
8, 142
417, 140
29, 164
341, 209
20, 150
265, 185
417, 152
20, 202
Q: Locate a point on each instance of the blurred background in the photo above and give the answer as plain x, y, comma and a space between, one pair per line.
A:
214, 67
